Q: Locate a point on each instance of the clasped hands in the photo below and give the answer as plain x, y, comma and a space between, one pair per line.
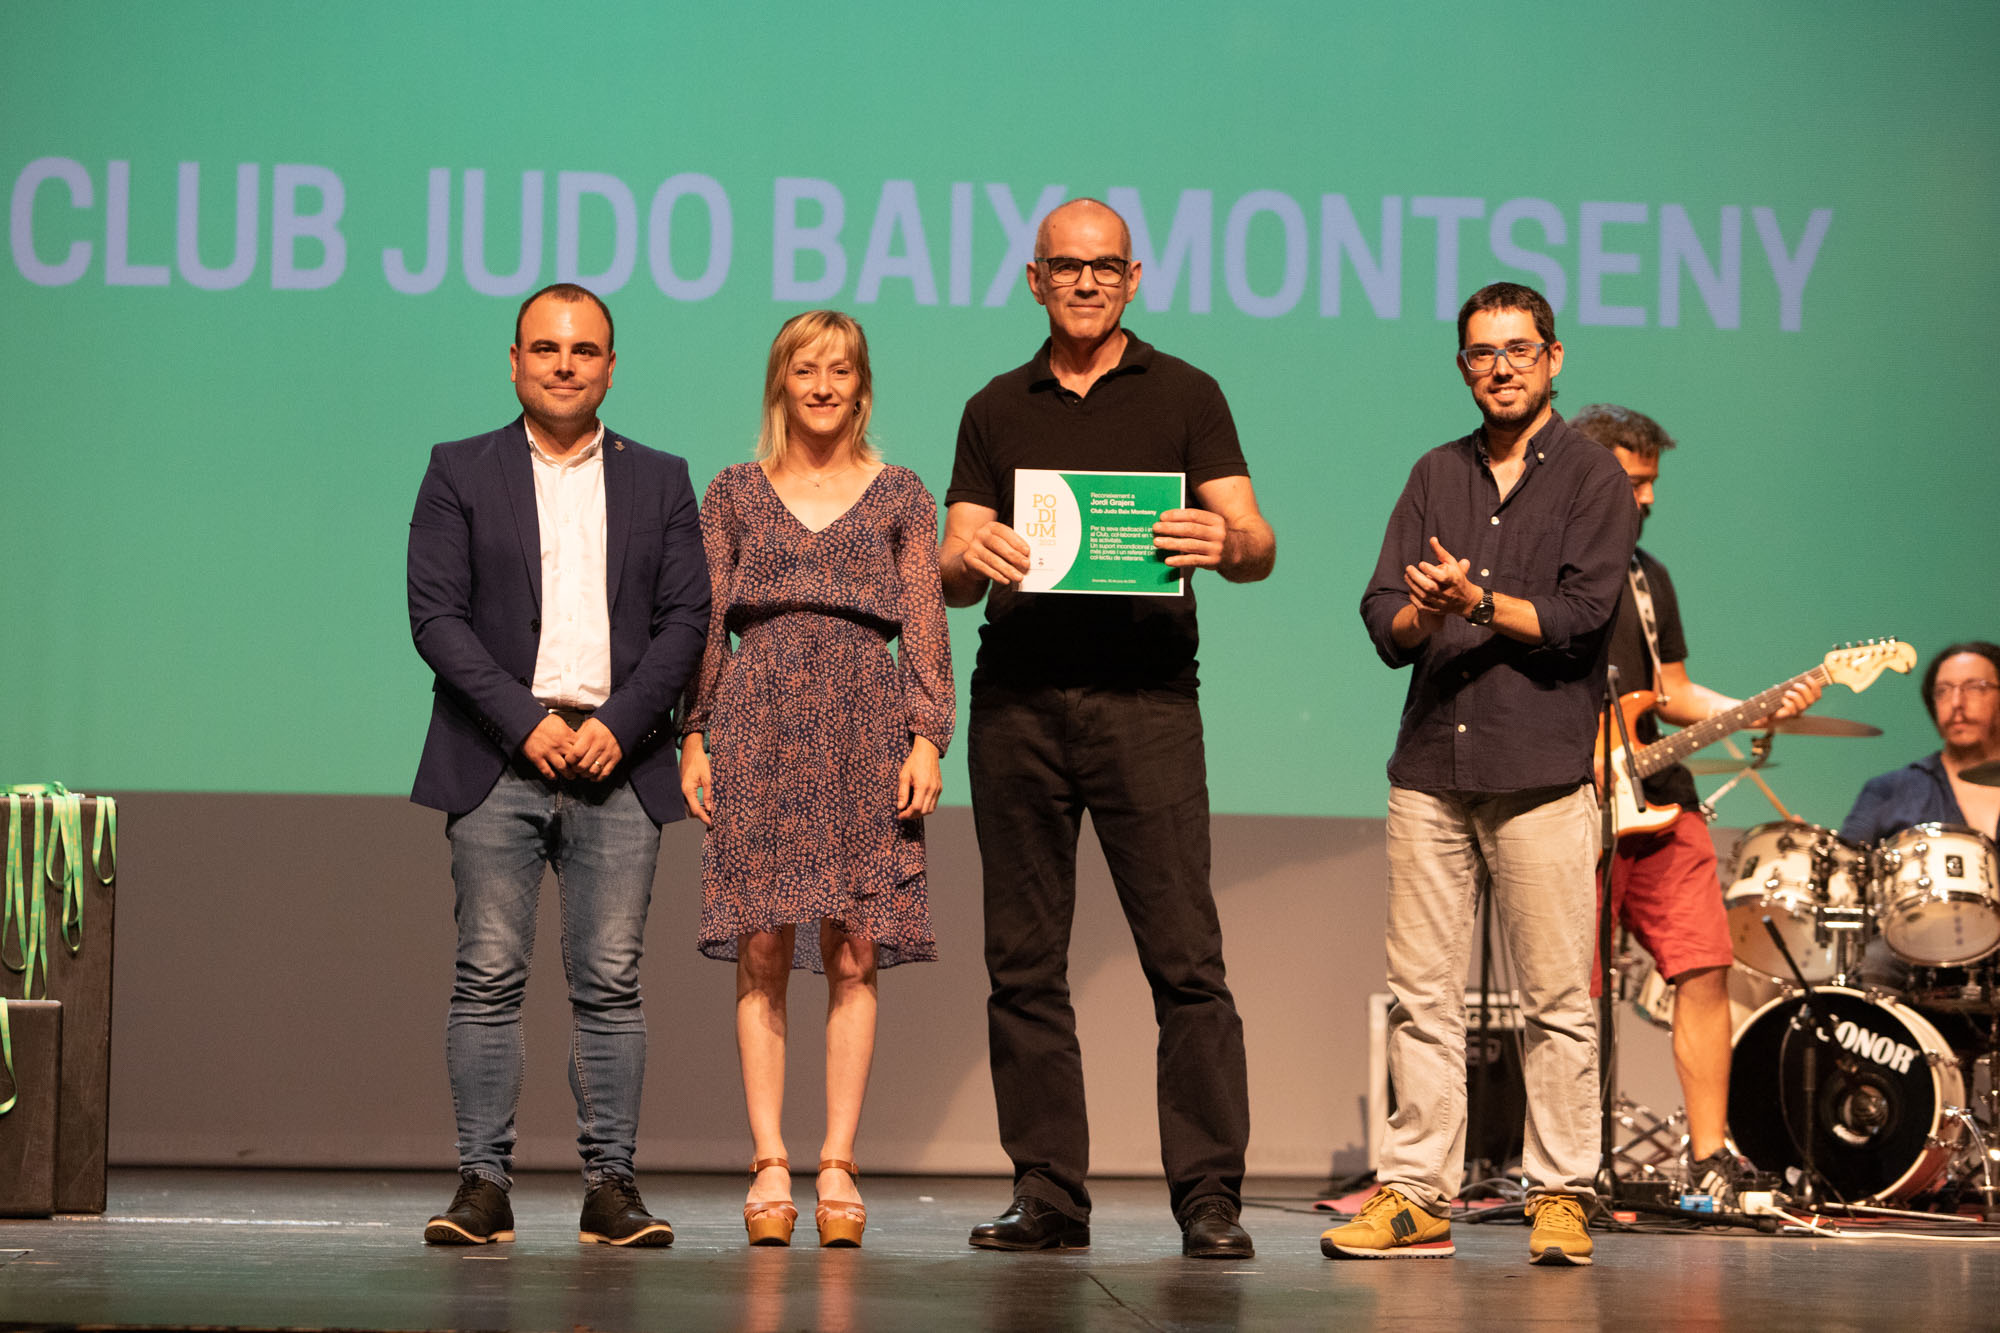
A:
1192, 539
1441, 589
590, 751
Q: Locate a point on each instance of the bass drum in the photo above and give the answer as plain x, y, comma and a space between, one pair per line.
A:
1878, 1123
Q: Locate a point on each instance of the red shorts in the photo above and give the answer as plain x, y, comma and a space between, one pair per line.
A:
1665, 891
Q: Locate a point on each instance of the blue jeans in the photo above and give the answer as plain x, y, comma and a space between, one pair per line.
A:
602, 846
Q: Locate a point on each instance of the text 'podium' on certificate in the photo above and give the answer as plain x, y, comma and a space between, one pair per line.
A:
1093, 531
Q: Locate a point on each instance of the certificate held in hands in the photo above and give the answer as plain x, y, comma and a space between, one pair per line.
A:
1093, 531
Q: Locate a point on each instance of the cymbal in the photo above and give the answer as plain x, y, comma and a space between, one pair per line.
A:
1819, 724
1985, 775
1703, 768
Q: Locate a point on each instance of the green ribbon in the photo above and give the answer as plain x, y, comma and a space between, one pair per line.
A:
56, 856
23, 904
66, 862
107, 813
61, 862
7, 1054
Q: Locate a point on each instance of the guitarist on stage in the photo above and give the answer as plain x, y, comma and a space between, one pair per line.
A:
1664, 884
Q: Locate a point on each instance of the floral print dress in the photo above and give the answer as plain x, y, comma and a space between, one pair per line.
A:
809, 714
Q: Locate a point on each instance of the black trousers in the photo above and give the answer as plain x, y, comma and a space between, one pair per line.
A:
1038, 759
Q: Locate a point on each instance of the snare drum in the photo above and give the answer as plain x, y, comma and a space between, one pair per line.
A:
1937, 897
1880, 1121
1789, 871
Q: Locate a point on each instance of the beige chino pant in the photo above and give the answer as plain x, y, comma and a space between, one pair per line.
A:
1537, 851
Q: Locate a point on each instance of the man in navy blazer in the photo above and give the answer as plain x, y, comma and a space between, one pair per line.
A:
557, 587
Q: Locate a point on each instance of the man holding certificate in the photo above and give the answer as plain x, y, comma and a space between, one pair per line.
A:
1089, 484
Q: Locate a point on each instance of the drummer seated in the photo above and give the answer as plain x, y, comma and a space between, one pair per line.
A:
1961, 692
1962, 696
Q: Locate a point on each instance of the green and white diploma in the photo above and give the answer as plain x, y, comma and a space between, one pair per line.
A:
1092, 532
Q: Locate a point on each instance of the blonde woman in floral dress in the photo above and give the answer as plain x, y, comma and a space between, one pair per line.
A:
810, 748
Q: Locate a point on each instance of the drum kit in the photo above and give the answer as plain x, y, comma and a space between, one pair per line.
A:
1876, 1079
1889, 1117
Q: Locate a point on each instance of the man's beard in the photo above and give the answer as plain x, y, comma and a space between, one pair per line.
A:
1527, 411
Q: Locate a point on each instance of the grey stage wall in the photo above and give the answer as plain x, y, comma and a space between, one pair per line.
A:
283, 964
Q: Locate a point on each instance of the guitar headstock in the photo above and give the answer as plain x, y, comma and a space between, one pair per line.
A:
1856, 665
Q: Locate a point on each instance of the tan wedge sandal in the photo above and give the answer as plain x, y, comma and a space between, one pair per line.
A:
840, 1221
770, 1222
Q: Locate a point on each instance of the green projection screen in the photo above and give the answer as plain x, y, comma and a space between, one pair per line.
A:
262, 256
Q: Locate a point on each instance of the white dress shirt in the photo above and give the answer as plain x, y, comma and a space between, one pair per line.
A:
573, 661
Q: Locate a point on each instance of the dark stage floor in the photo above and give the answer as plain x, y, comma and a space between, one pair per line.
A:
267, 1249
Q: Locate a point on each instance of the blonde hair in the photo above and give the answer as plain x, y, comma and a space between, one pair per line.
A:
798, 333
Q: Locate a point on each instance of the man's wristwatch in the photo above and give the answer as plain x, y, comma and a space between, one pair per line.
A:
1483, 613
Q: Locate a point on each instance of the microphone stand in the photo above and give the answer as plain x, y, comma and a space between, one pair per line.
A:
1482, 1166
1607, 1167
1805, 1014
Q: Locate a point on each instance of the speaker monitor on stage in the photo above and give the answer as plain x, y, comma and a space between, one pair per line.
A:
1497, 1135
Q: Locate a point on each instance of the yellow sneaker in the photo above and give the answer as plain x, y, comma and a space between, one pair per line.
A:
1560, 1235
1389, 1226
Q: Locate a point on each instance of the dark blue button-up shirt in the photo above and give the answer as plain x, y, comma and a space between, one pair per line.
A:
1486, 713
1917, 794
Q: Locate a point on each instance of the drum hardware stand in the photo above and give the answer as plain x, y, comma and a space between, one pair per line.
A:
1649, 1146
1760, 751
1844, 927
1809, 1178
1656, 1144
1988, 1149
1764, 786
1970, 1123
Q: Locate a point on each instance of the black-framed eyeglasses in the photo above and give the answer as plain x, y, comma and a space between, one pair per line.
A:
1064, 270
1479, 358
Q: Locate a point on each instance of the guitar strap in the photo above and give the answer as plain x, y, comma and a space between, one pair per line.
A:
1642, 597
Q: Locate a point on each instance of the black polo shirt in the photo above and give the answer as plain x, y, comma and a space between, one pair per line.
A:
1151, 413
1486, 713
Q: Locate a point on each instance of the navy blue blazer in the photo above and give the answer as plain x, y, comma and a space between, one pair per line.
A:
475, 585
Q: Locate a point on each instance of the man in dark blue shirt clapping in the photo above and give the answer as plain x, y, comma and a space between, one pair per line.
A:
1499, 574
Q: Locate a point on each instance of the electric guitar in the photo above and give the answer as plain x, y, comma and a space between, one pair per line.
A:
1856, 666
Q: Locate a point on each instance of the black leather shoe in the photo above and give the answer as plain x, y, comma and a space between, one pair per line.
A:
614, 1214
1211, 1232
1031, 1225
479, 1215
